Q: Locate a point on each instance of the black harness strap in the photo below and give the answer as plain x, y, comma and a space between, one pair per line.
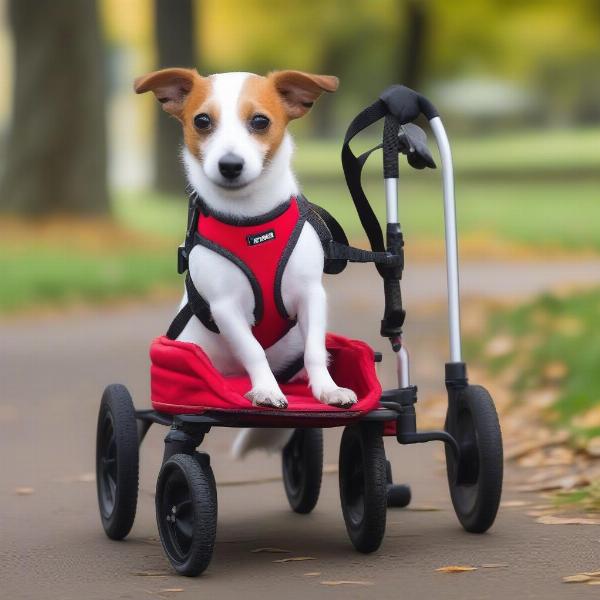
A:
337, 251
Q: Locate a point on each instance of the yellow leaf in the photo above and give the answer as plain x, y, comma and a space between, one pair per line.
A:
24, 491
553, 520
312, 574
456, 569
294, 559
270, 551
499, 346
514, 503
555, 370
579, 578
593, 447
346, 582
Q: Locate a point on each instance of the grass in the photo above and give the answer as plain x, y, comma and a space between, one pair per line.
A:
551, 345
539, 214
586, 498
66, 262
554, 152
536, 191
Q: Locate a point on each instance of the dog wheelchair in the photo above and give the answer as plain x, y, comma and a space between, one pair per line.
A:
191, 397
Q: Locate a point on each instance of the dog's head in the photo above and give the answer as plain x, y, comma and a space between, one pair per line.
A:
234, 123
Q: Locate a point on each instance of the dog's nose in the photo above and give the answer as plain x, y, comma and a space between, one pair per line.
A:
231, 165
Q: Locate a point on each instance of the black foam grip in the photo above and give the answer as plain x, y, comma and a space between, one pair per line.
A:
394, 312
406, 104
390, 147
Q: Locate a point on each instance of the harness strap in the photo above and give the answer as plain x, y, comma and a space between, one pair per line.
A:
337, 251
196, 305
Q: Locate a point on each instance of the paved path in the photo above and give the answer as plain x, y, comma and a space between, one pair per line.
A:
51, 543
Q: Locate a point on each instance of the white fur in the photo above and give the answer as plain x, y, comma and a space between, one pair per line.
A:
226, 288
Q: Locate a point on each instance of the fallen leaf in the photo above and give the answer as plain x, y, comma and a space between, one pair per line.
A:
346, 582
494, 565
456, 569
555, 370
149, 573
579, 578
312, 574
294, 559
271, 551
499, 346
514, 452
514, 503
173, 590
589, 419
24, 491
593, 447
553, 520
594, 582
423, 508
329, 469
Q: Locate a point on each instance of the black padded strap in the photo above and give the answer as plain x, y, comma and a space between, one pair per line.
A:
195, 306
338, 251
353, 166
199, 305
178, 324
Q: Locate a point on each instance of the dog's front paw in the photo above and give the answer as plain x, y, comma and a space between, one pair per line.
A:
267, 397
341, 397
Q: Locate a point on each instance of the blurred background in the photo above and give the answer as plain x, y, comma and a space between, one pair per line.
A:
92, 201
518, 85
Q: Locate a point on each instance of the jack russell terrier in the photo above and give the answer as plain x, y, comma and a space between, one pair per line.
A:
254, 288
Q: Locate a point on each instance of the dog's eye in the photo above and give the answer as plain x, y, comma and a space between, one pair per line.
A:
202, 121
259, 122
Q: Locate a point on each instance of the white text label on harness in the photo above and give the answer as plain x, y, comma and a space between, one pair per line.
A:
260, 238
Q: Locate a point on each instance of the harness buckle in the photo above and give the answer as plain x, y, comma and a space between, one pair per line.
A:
182, 260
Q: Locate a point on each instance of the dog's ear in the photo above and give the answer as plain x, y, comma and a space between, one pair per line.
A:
170, 86
298, 90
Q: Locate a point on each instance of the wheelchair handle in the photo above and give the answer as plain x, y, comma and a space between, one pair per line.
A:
406, 105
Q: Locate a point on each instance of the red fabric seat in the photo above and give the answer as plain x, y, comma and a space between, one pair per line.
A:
183, 380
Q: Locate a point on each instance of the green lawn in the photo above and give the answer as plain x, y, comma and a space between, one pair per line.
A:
533, 212
56, 276
552, 344
538, 189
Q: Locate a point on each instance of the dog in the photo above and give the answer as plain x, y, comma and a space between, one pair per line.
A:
237, 157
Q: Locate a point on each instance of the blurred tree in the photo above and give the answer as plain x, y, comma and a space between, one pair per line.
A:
56, 146
413, 44
174, 26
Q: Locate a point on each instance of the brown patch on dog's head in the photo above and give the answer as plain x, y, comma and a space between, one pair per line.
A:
299, 91
183, 94
281, 97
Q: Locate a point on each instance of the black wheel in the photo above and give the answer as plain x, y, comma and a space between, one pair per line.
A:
117, 461
363, 485
398, 495
302, 465
476, 482
186, 512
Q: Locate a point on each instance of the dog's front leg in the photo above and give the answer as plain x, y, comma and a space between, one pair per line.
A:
237, 333
312, 319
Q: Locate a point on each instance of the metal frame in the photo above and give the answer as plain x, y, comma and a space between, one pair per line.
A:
452, 277
451, 239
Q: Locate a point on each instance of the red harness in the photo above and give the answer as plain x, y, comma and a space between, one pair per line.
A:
261, 248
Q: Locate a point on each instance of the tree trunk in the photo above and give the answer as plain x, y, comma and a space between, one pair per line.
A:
174, 27
414, 45
56, 147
